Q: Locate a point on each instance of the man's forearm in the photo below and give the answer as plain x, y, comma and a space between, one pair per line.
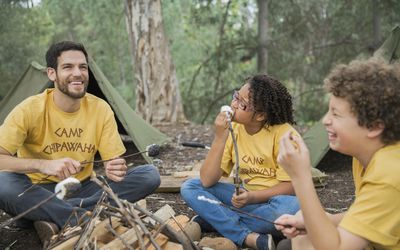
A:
14, 164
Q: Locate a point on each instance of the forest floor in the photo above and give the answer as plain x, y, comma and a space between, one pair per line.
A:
336, 195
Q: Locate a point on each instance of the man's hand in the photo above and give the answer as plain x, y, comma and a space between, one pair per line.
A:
294, 225
116, 169
62, 168
242, 199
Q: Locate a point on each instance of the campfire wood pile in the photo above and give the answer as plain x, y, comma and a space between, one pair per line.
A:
118, 224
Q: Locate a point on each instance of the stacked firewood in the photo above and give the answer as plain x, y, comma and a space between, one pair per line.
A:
119, 224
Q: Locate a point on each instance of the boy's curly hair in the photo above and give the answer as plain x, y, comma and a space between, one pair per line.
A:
372, 87
270, 96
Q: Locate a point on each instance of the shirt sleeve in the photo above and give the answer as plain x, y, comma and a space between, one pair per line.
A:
14, 130
374, 214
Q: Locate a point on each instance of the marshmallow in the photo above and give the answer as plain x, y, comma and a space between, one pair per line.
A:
67, 187
228, 111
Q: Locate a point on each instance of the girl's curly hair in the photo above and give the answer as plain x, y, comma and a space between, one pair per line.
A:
270, 96
372, 87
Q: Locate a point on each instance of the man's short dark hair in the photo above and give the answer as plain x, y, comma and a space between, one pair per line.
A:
56, 49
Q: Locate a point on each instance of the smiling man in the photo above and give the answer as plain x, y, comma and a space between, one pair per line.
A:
52, 134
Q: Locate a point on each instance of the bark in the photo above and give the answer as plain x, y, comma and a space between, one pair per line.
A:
262, 52
376, 22
157, 93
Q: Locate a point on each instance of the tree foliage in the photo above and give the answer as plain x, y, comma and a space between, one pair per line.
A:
213, 43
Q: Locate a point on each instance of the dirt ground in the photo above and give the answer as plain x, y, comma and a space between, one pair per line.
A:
336, 196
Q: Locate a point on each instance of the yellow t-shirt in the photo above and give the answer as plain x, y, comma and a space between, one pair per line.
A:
375, 213
258, 167
38, 129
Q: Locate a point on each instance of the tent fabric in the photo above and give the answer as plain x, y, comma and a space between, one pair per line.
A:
390, 49
316, 137
35, 80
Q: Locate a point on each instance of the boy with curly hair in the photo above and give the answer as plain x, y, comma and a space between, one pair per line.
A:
362, 121
262, 114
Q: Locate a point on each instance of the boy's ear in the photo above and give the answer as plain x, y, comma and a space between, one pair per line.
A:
51, 74
376, 129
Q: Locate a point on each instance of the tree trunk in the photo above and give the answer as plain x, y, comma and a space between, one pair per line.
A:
376, 22
157, 93
262, 51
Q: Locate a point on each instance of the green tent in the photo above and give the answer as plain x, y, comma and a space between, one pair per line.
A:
316, 137
35, 80
390, 49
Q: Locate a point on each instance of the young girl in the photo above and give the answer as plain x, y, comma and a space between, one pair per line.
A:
262, 114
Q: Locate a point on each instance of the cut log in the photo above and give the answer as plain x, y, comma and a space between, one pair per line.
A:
182, 220
99, 231
129, 238
161, 240
172, 246
163, 213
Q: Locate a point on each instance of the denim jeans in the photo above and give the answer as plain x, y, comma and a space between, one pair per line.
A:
137, 184
234, 225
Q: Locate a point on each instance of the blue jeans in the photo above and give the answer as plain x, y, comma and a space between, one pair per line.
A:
137, 184
233, 225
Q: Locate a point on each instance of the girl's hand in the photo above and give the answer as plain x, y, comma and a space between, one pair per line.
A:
242, 199
221, 124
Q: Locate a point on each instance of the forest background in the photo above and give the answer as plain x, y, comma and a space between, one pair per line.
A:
213, 44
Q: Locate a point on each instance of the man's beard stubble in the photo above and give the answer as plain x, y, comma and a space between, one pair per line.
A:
76, 95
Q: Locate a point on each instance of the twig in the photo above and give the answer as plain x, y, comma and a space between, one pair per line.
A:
119, 237
123, 157
183, 231
83, 163
88, 229
169, 231
142, 226
11, 220
244, 212
34, 185
235, 147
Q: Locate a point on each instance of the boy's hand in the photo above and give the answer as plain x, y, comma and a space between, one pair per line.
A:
61, 168
116, 169
242, 199
294, 225
293, 155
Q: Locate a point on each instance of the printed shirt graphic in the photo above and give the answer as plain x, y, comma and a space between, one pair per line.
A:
258, 167
38, 129
374, 215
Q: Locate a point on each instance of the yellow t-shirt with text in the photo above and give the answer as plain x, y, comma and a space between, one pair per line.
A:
258, 167
38, 129
375, 213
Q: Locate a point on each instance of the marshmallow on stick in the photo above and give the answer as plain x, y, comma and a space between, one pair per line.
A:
65, 188
228, 110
